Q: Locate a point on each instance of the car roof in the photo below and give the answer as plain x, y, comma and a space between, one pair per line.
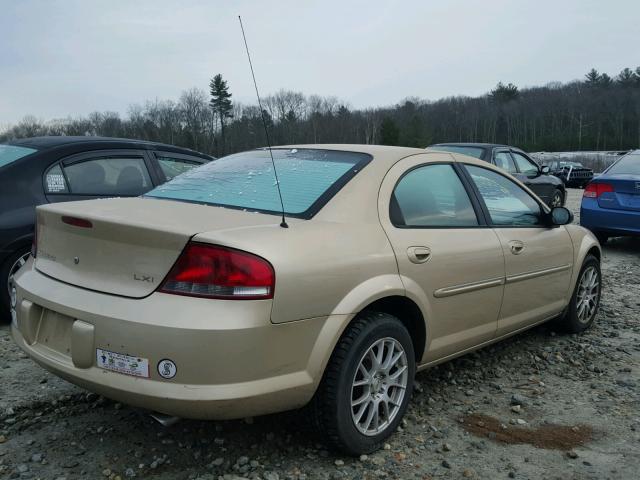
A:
470, 144
44, 143
385, 156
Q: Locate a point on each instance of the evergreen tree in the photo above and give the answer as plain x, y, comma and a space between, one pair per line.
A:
220, 103
593, 78
605, 80
626, 78
504, 93
389, 132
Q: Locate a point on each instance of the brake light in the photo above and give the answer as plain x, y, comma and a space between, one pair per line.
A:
594, 190
77, 222
212, 271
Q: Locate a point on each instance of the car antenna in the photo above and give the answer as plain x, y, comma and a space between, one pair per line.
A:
283, 224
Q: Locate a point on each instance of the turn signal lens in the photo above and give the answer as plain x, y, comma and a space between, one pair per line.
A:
212, 271
594, 190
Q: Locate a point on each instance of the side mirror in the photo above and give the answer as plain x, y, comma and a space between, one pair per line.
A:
544, 169
561, 216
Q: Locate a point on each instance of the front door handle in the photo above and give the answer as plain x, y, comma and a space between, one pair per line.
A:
418, 254
516, 246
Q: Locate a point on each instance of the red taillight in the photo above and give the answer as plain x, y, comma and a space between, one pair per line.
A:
77, 222
219, 272
594, 190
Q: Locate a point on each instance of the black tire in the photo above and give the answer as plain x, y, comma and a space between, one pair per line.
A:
571, 321
331, 406
5, 270
557, 199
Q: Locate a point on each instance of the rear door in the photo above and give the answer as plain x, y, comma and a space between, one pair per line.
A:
445, 251
538, 258
114, 173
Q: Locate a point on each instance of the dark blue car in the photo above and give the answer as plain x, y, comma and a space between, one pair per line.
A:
611, 202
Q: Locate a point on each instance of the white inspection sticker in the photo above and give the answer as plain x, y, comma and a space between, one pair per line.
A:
121, 363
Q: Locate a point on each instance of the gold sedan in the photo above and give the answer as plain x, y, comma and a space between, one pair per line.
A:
195, 300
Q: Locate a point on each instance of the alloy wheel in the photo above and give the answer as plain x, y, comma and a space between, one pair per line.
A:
588, 293
556, 201
379, 386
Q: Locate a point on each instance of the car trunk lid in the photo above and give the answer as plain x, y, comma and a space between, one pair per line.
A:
125, 246
625, 194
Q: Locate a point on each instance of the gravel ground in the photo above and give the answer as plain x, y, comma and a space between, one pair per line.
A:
540, 405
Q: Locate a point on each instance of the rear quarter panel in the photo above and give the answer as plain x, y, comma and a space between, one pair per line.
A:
321, 268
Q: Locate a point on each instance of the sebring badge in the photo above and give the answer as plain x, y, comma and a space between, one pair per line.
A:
76, 260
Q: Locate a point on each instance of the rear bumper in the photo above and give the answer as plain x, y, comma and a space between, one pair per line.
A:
596, 218
232, 362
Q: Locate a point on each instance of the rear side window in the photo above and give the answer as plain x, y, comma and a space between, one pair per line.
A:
627, 165
475, 152
11, 153
54, 181
108, 176
431, 196
308, 179
172, 167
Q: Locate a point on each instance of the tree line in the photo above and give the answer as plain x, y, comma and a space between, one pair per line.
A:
599, 112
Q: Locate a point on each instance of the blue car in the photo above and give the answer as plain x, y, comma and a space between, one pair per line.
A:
611, 202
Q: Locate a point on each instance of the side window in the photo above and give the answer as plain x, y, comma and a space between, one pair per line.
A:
54, 181
109, 176
172, 167
508, 203
431, 196
504, 161
526, 166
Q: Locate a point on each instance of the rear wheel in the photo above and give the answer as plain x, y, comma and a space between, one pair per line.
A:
586, 297
7, 271
367, 384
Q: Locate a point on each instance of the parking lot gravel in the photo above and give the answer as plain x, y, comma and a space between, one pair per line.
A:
539, 405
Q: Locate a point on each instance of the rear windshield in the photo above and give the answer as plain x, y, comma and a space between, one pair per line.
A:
629, 165
471, 151
11, 153
308, 179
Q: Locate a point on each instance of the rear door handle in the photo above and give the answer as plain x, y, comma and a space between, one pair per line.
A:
418, 254
516, 246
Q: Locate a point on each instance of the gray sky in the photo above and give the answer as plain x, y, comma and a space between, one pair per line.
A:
71, 57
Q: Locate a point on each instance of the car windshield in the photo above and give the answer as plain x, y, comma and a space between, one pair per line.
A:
308, 178
627, 165
11, 153
471, 151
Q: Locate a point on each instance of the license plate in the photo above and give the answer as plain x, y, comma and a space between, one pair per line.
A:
121, 363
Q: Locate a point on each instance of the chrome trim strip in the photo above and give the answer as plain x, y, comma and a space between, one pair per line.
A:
537, 273
467, 287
